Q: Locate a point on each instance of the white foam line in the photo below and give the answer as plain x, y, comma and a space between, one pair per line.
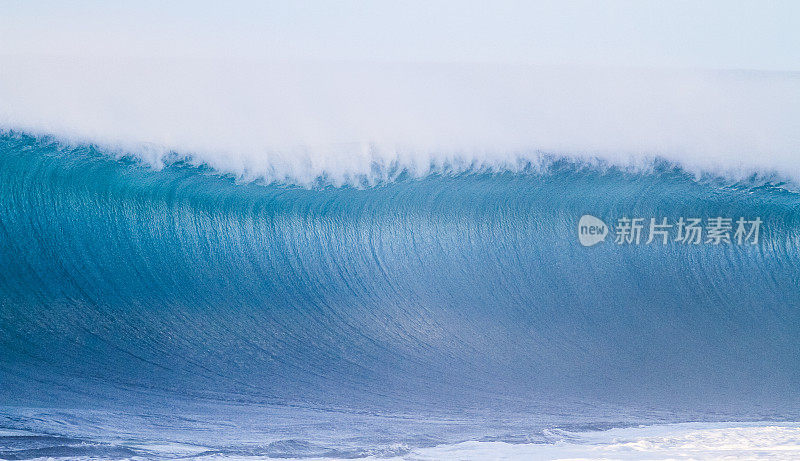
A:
731, 441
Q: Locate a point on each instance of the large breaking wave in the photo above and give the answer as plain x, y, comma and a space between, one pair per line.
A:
410, 310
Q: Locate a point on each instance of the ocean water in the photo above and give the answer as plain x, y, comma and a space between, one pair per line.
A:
390, 266
154, 313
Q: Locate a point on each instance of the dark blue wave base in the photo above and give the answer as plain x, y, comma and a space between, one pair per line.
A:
462, 297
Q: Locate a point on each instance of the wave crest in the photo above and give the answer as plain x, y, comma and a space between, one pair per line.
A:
297, 123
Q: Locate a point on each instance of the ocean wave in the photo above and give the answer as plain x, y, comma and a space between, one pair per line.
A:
422, 310
280, 293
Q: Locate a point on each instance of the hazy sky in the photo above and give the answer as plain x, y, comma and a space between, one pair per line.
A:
706, 34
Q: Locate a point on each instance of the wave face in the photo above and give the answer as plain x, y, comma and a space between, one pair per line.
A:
427, 306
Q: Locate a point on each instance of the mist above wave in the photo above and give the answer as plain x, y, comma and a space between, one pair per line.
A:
298, 122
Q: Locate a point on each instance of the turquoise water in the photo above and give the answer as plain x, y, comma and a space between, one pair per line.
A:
185, 306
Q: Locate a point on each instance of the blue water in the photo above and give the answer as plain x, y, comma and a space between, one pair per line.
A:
186, 307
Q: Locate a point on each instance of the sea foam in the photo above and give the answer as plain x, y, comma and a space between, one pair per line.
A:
728, 441
298, 122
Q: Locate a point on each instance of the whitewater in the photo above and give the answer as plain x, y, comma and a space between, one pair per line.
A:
297, 122
227, 259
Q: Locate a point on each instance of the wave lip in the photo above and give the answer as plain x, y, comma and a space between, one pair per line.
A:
298, 122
